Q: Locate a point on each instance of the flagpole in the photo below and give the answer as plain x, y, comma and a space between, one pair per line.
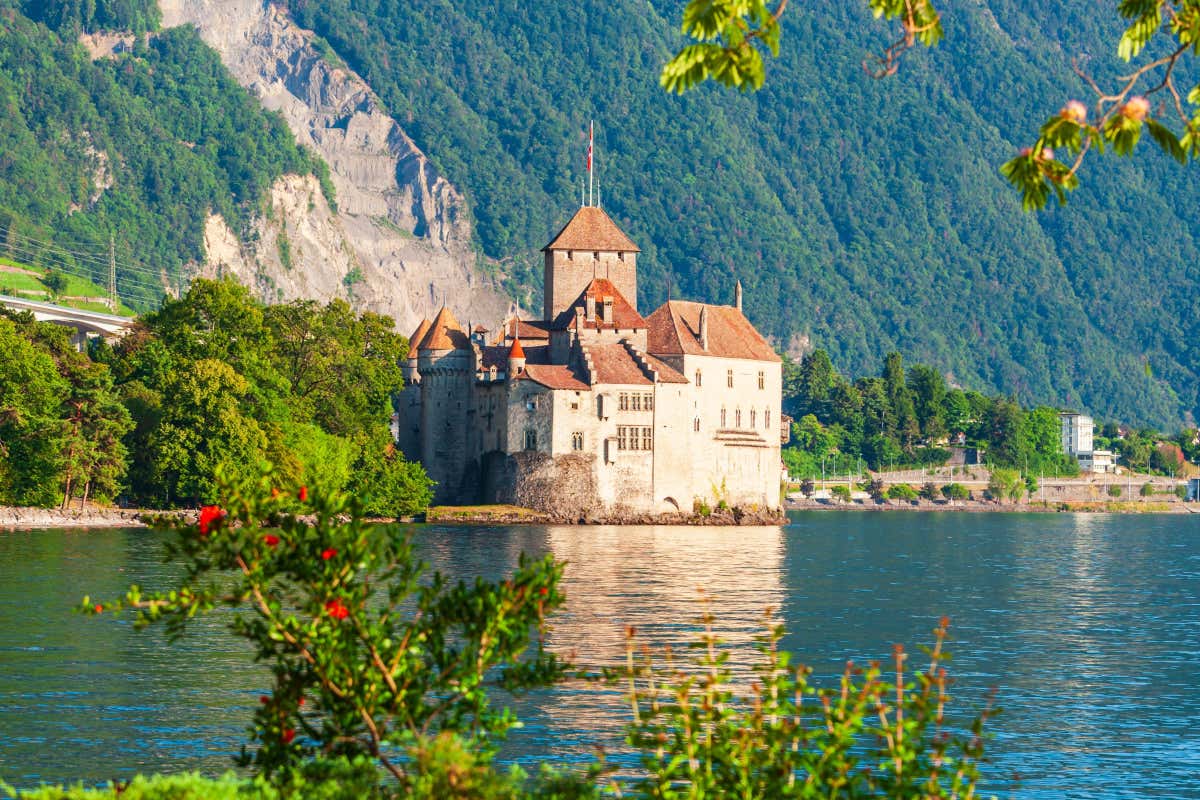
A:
591, 142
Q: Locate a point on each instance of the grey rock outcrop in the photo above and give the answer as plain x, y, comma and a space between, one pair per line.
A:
399, 242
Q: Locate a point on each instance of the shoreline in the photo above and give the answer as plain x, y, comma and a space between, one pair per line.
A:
14, 518
991, 507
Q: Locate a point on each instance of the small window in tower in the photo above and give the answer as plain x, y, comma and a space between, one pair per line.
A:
737, 418
577, 440
698, 383
729, 378
753, 418
722, 416
762, 379
530, 439
767, 419
531, 403
696, 424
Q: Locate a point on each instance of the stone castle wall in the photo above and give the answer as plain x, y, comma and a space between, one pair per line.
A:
568, 272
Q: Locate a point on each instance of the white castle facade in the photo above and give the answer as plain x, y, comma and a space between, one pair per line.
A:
595, 408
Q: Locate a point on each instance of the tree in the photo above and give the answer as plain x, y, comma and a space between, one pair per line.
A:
816, 385
1006, 484
811, 436
729, 37
928, 390
31, 430
203, 428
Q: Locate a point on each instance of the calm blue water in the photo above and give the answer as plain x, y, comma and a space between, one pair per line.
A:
1088, 626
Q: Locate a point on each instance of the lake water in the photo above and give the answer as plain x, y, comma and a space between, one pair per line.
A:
1088, 626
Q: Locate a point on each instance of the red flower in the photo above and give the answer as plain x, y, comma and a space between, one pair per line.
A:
99, 608
271, 539
543, 591
288, 735
262, 698
337, 609
303, 494
301, 702
328, 553
209, 515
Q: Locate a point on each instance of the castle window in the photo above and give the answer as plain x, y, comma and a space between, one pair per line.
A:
767, 419
722, 416
753, 418
648, 401
729, 378
698, 382
530, 439
696, 424
623, 401
637, 401
737, 418
531, 403
577, 441
622, 441
762, 379
647, 438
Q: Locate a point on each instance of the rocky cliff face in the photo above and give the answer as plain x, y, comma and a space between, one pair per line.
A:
399, 242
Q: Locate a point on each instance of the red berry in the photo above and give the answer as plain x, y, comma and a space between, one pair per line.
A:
303, 494
328, 553
288, 735
271, 539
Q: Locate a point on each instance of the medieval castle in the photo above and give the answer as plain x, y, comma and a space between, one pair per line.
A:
595, 408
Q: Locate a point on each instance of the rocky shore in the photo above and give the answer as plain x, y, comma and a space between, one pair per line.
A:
990, 506
17, 518
516, 515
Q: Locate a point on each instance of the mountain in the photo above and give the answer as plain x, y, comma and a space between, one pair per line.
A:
125, 126
861, 215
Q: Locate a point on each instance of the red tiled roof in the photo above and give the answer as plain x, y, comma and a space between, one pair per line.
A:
625, 316
592, 229
612, 363
554, 376
674, 328
414, 341
445, 333
516, 351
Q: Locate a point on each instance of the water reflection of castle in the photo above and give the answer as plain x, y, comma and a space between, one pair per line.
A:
648, 577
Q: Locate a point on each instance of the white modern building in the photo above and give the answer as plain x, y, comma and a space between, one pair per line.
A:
1076, 433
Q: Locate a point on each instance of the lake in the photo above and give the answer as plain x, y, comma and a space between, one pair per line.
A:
1088, 626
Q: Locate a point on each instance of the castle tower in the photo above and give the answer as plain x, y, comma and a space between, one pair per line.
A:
589, 246
408, 402
446, 363
516, 358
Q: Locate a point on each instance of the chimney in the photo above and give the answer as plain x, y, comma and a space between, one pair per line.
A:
737, 296
608, 315
704, 327
591, 308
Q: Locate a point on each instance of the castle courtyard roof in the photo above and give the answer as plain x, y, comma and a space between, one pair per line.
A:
612, 363
554, 376
624, 315
527, 330
674, 329
592, 229
445, 333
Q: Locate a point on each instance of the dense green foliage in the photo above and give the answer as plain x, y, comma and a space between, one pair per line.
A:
865, 215
212, 381
139, 147
907, 418
62, 426
72, 16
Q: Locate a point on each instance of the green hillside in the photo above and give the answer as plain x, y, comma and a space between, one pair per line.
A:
862, 216
135, 149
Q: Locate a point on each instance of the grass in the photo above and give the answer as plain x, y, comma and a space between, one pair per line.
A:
18, 282
436, 513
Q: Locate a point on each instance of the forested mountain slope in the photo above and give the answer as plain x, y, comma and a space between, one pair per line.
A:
863, 216
140, 147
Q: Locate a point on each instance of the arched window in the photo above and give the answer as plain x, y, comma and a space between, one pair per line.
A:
737, 418
767, 419
753, 418
696, 424
722, 416
530, 439
577, 441
698, 382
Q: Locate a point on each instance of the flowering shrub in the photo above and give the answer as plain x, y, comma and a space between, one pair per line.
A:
368, 659
869, 737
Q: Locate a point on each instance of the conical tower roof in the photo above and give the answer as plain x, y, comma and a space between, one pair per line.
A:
516, 351
445, 333
414, 341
